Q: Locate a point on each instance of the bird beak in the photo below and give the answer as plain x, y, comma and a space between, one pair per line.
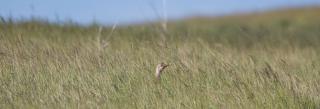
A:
166, 65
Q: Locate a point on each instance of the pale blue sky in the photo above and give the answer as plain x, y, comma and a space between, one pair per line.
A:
132, 11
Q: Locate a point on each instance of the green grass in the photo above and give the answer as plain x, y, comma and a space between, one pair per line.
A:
268, 60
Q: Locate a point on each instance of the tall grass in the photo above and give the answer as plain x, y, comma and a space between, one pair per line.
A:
224, 63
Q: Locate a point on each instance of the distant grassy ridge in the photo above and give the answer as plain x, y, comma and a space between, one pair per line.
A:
281, 28
267, 60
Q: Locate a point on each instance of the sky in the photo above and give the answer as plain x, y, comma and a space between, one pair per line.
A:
135, 11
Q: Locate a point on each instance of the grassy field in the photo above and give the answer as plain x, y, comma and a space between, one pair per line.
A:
269, 60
